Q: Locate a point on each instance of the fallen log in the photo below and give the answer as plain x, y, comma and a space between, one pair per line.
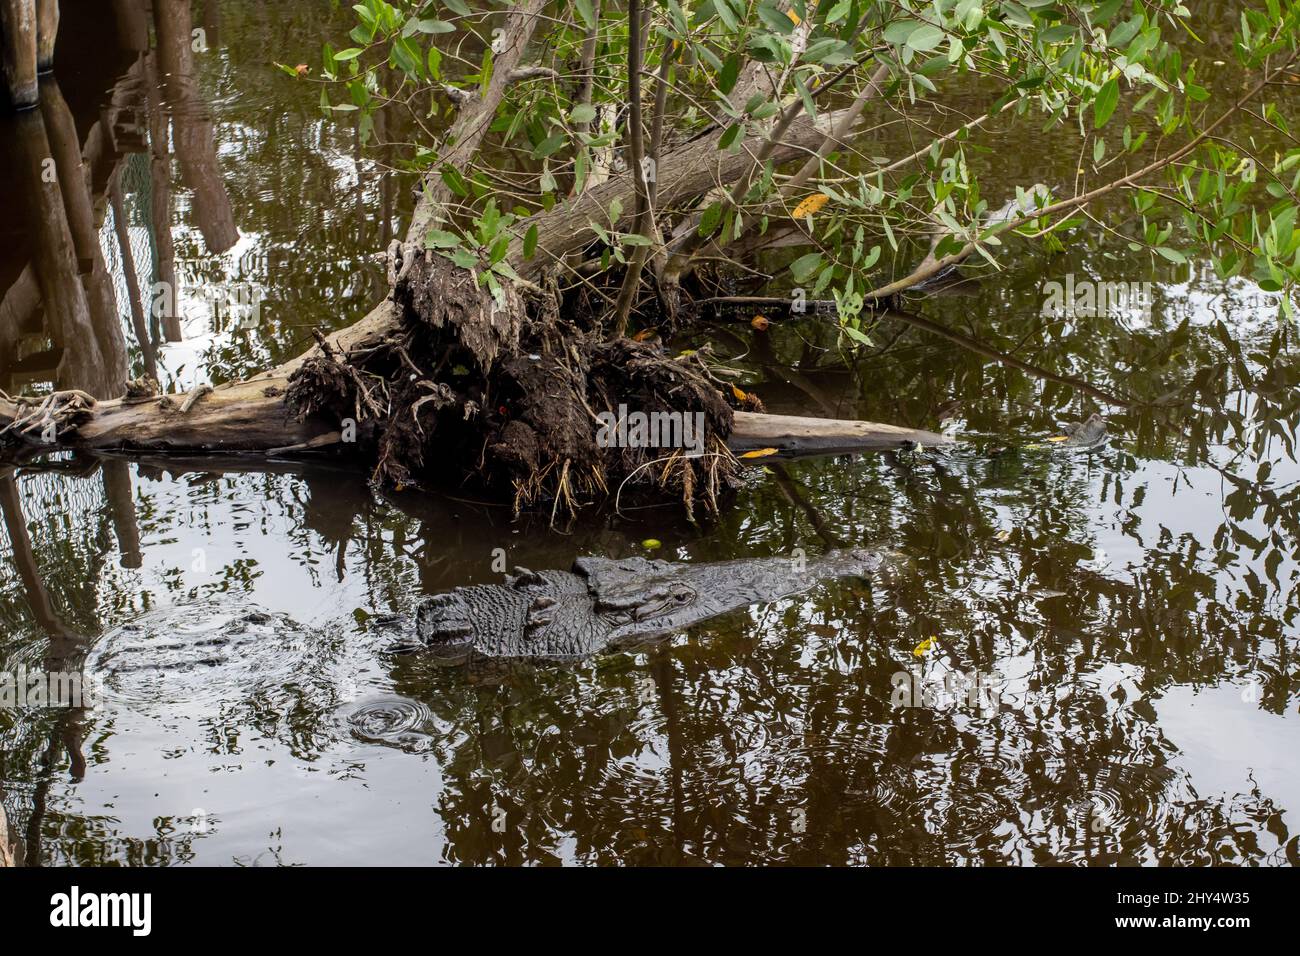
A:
251, 418
795, 435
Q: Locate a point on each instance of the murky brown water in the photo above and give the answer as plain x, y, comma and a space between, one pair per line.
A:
1138, 600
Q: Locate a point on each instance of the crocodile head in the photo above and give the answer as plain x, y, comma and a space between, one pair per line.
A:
640, 597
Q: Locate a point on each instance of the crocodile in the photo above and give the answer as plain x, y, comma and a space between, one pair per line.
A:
604, 603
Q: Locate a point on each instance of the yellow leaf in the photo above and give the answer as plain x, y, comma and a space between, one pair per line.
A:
794, 17
1003, 535
924, 647
760, 323
759, 453
1059, 438
650, 544
810, 205
740, 396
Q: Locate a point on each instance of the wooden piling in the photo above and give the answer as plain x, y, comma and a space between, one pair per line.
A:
47, 31
61, 129
18, 27
161, 193
132, 25
121, 506
194, 130
138, 322
67, 311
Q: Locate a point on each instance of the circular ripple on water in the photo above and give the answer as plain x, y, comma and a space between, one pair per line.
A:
964, 796
1122, 797
393, 722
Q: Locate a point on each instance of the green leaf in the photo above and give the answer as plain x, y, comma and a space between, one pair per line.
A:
828, 50
924, 38
730, 73
898, 31
587, 12
709, 221
731, 135
463, 258
808, 105
839, 11
1104, 105
351, 53
455, 181
441, 239
458, 6
1173, 255
530, 241
582, 113
726, 15
856, 335
549, 145
775, 19
803, 267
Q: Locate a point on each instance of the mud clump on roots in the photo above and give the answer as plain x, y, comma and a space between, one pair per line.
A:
550, 403
474, 392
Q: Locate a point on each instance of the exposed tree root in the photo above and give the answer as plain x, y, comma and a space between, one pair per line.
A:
454, 397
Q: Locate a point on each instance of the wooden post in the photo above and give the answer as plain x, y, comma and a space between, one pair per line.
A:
47, 32
67, 311
161, 199
132, 25
61, 129
121, 505
24, 561
74, 185
194, 131
18, 26
129, 273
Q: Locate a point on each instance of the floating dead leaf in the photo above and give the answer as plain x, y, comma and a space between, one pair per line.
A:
924, 647
652, 544
759, 453
1059, 438
809, 205
760, 323
1003, 535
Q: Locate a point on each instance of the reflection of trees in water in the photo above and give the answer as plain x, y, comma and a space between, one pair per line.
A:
774, 737
770, 735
